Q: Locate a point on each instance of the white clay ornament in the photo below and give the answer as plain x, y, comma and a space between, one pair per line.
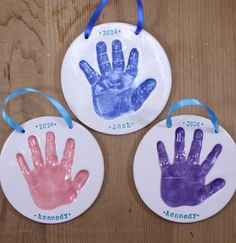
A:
116, 80
48, 172
185, 173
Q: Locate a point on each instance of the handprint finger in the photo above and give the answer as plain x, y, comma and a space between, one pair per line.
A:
23, 166
68, 154
103, 61
117, 56
35, 151
132, 67
91, 75
50, 149
211, 188
179, 145
211, 158
163, 157
80, 179
142, 92
196, 147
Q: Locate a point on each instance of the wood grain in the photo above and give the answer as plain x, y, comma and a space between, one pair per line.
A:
200, 40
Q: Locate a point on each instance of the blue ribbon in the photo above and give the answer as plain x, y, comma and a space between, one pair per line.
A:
140, 22
55, 103
192, 102
99, 10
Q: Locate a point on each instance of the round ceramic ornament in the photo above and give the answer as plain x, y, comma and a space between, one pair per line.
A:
116, 77
184, 170
51, 167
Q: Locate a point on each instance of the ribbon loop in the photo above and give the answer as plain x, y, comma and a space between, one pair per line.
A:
54, 102
192, 102
98, 11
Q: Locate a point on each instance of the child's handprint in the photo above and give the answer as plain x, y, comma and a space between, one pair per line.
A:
50, 182
114, 92
183, 182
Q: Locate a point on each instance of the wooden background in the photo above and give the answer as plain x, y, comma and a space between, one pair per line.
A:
199, 37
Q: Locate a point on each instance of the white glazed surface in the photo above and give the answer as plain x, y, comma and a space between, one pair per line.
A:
153, 63
147, 173
87, 156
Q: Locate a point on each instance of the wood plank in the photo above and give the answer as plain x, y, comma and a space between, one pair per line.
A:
200, 40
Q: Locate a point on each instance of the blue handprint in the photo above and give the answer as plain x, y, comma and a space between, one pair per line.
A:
183, 182
114, 93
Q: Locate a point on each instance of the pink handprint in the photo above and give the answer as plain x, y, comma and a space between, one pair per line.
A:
50, 182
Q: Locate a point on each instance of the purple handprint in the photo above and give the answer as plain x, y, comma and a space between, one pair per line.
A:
183, 182
114, 93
